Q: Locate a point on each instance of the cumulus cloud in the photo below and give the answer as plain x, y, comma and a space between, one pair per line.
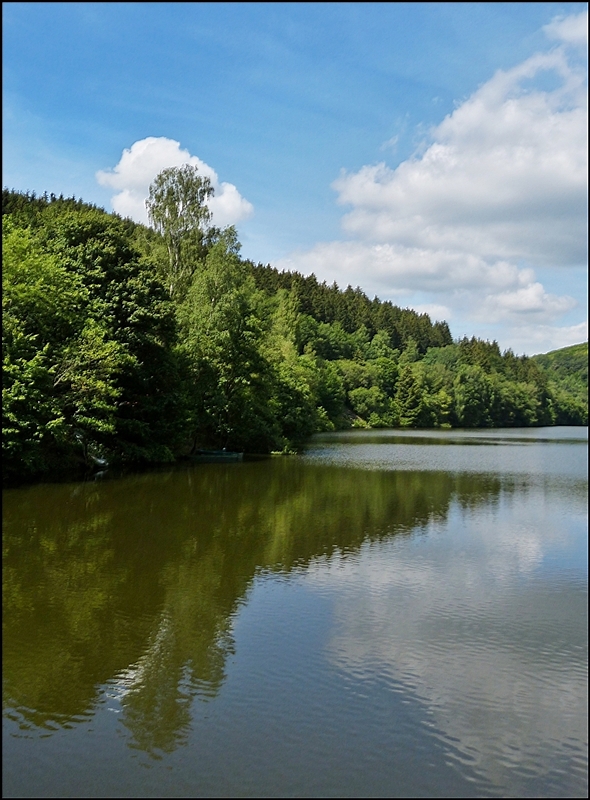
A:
499, 190
570, 30
139, 165
505, 176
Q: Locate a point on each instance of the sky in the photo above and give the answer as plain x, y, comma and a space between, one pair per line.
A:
434, 154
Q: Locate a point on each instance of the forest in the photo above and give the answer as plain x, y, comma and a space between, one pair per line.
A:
133, 345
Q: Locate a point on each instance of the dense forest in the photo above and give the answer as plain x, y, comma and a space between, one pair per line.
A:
130, 344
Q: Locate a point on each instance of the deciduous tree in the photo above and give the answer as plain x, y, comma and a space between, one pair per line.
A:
177, 208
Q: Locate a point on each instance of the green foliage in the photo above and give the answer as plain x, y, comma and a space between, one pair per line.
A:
129, 299
32, 423
567, 374
409, 398
78, 304
41, 305
37, 289
568, 409
330, 341
223, 331
352, 309
567, 361
177, 209
372, 405
473, 397
134, 344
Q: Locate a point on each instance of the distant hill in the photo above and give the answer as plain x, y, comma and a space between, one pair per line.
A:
568, 362
568, 368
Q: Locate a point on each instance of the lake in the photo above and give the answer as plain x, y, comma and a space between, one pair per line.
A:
389, 614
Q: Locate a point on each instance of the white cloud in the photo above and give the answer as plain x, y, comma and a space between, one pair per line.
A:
436, 311
535, 338
140, 164
570, 30
500, 190
401, 610
505, 176
530, 300
463, 283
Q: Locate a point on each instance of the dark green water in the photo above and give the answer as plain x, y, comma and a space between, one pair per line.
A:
394, 614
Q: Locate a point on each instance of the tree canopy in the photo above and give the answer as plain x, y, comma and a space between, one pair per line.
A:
177, 209
136, 345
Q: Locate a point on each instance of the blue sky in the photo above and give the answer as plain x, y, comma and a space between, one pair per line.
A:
432, 153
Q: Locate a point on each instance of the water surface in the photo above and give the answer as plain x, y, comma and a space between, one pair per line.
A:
393, 613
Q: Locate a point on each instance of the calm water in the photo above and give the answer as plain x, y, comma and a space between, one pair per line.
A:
394, 614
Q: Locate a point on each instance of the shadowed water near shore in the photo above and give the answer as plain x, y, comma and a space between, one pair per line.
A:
332, 609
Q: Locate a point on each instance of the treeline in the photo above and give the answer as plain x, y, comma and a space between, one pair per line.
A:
353, 310
568, 368
129, 344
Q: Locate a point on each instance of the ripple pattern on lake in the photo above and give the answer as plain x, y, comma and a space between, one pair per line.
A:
392, 614
457, 451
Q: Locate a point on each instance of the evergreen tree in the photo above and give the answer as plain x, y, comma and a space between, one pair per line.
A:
408, 398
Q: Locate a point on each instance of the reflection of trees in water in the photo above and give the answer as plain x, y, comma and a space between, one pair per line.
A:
133, 582
185, 656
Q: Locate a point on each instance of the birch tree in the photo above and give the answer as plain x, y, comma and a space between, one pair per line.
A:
177, 208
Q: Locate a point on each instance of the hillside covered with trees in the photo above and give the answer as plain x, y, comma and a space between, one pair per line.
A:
136, 345
567, 368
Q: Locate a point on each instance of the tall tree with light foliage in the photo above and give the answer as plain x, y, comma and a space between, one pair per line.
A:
177, 208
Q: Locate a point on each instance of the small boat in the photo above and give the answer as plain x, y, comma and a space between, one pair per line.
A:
216, 455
